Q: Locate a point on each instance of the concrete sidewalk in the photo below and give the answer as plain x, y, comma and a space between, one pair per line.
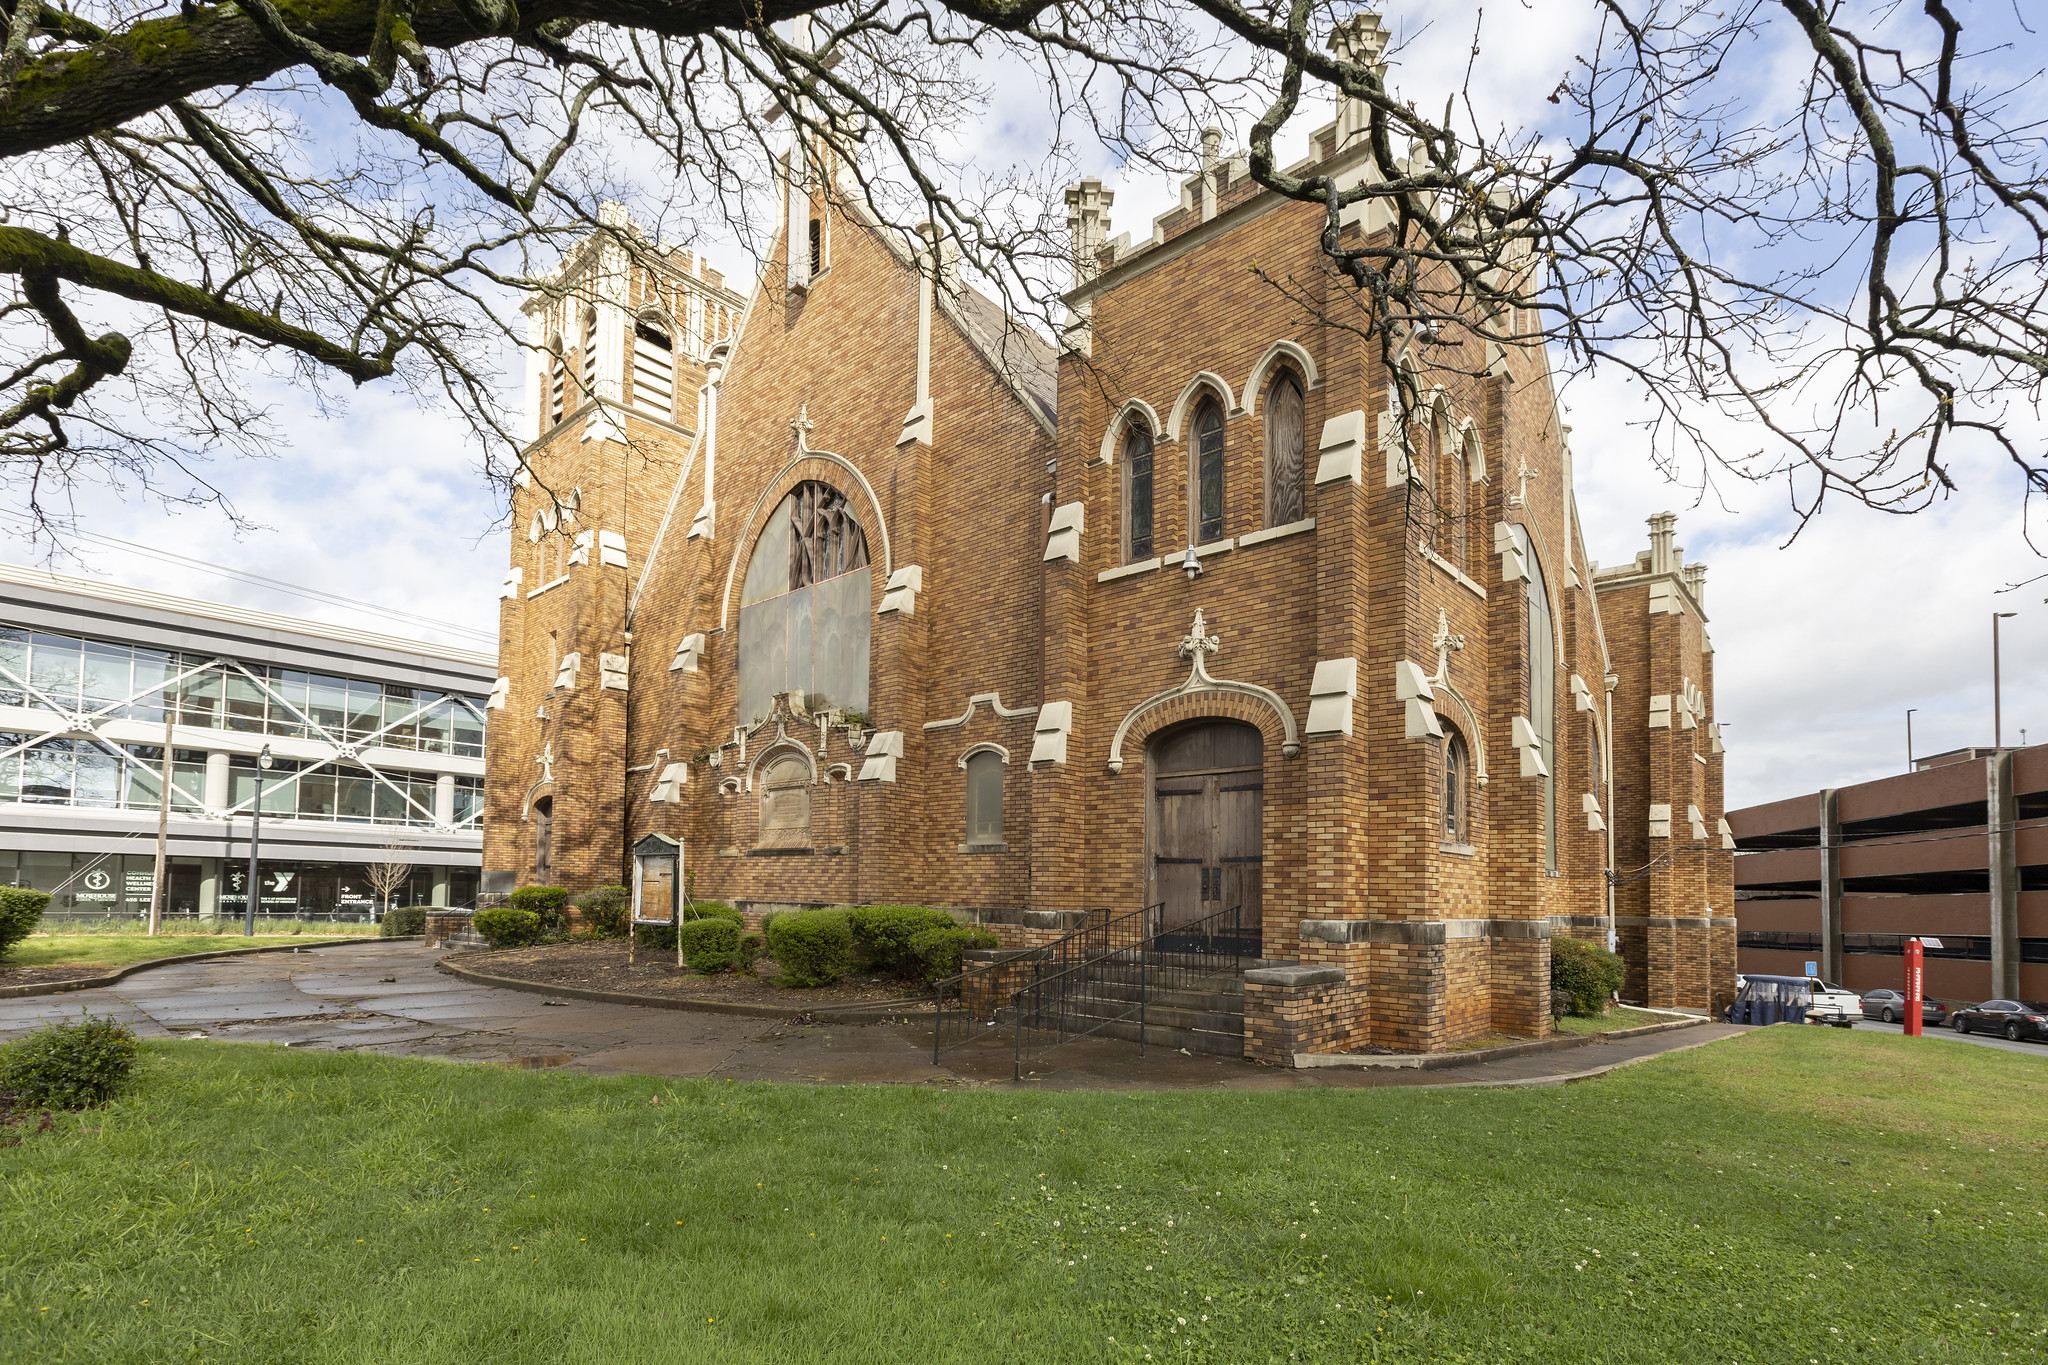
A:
387, 997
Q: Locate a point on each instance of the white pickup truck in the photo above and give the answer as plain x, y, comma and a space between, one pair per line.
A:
1832, 1004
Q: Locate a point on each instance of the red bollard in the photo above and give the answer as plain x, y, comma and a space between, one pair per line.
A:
1914, 956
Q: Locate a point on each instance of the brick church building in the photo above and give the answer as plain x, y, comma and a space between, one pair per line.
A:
863, 592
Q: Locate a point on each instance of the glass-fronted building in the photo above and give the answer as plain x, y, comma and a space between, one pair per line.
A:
376, 749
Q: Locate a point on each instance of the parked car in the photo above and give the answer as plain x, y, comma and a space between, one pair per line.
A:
1793, 1000
2016, 1019
1890, 1006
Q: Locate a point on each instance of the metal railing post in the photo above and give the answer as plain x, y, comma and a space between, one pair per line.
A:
1141, 995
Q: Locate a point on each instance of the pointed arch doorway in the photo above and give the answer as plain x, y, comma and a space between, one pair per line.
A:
1205, 815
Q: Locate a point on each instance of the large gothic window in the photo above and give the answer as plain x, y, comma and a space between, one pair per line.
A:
804, 606
1137, 493
1286, 443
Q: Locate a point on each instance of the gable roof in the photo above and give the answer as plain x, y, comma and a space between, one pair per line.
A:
1017, 352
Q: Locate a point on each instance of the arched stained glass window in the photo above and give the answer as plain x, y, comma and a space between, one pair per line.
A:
1208, 471
1137, 493
804, 606
1457, 810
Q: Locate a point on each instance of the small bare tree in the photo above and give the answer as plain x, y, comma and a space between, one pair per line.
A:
390, 869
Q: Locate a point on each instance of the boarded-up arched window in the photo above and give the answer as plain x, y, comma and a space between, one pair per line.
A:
1286, 445
785, 783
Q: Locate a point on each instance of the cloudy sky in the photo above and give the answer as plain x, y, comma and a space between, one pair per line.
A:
1822, 645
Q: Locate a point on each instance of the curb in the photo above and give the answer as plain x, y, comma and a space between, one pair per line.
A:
1567, 1078
87, 983
1436, 1061
876, 1013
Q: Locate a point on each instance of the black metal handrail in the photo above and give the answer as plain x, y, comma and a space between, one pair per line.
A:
975, 1008
1057, 1007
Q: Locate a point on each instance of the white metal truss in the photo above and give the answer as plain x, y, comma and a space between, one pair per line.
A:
85, 723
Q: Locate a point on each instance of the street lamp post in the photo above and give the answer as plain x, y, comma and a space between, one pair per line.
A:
1909, 737
255, 847
1997, 701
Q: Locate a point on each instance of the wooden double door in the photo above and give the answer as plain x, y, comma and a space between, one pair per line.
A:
1207, 809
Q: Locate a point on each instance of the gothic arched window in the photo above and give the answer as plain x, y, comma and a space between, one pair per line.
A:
1457, 796
1137, 465
1207, 452
804, 607
1286, 445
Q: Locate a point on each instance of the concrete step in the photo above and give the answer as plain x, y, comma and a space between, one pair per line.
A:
1213, 1043
1215, 1000
1161, 1014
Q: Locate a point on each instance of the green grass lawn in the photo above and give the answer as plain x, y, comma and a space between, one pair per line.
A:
118, 950
1617, 1017
1771, 1199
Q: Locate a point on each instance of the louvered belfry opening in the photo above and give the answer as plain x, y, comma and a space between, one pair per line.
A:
824, 539
653, 371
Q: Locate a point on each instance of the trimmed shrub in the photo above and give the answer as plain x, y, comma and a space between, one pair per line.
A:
404, 921
938, 950
752, 946
1587, 973
69, 1065
20, 911
660, 937
713, 910
550, 903
709, 944
504, 927
605, 911
882, 934
813, 947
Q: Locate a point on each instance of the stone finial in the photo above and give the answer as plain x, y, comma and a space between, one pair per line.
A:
1695, 576
1662, 560
1212, 157
1363, 38
1088, 226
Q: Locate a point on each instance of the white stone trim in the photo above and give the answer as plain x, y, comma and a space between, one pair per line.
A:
611, 671
1457, 575
899, 595
1112, 437
1255, 382
1204, 379
1050, 732
1128, 570
885, 749
1340, 452
983, 748
1063, 537
994, 702
1331, 694
689, 653
1260, 537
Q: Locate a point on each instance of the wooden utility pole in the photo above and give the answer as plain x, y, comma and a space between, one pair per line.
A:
163, 830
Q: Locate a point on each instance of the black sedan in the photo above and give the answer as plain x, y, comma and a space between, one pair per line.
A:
2016, 1019
1890, 1006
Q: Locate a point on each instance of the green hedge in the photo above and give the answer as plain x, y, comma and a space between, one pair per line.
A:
938, 950
882, 934
1586, 973
69, 1065
752, 946
504, 927
709, 945
605, 911
813, 947
660, 937
713, 910
550, 903
20, 911
404, 921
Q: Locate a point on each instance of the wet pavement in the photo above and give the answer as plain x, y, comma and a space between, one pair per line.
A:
388, 998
